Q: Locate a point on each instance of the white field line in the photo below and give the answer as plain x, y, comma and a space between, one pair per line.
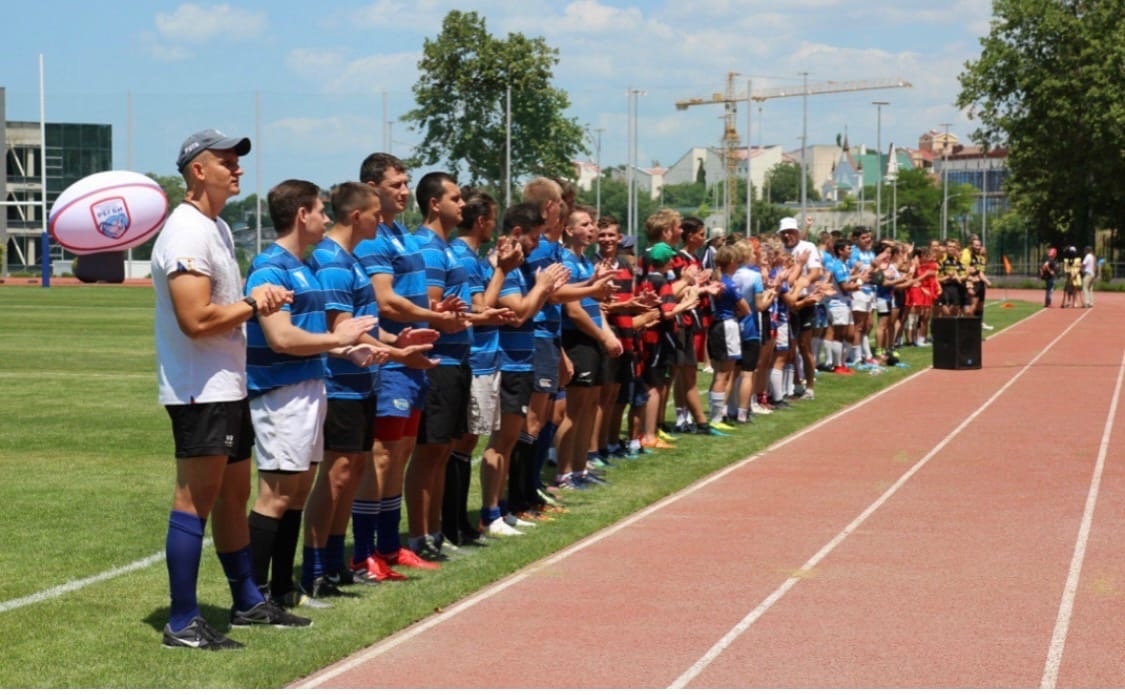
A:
426, 625
77, 584
752, 617
1070, 591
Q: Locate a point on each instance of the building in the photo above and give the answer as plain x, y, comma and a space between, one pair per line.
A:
73, 151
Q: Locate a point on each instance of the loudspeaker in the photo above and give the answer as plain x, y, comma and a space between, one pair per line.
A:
956, 342
103, 266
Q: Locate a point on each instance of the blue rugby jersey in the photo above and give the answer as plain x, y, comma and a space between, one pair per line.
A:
581, 269
547, 321
517, 343
862, 259
484, 355
266, 369
723, 304
348, 289
444, 271
395, 251
749, 282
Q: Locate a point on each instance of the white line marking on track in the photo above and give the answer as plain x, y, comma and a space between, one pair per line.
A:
77, 584
753, 616
1066, 606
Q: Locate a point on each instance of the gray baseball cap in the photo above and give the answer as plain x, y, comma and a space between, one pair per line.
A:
209, 140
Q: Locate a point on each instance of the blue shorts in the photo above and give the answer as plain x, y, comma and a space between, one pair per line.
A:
400, 392
545, 365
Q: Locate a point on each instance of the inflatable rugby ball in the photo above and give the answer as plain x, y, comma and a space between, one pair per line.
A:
107, 211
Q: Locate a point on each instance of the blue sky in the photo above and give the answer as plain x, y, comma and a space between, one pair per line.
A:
321, 73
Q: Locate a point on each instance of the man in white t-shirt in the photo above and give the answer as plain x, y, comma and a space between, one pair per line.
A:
1089, 274
804, 314
201, 371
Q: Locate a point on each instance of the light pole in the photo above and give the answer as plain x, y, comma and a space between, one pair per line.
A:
631, 176
945, 184
879, 180
804, 144
598, 171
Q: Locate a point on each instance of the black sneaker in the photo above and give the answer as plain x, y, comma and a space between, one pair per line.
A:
430, 552
295, 598
198, 635
266, 613
779, 405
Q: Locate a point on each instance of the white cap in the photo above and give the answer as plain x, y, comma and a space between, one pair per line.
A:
788, 223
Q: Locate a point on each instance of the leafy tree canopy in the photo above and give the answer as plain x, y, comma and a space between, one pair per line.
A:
461, 97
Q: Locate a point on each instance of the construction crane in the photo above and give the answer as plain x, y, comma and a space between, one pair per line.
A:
731, 140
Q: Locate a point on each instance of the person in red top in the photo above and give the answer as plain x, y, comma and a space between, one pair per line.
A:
696, 323
920, 295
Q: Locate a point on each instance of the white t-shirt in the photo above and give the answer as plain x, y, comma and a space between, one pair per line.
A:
811, 263
201, 370
1089, 264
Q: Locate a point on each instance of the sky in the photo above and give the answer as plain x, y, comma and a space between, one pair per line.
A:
318, 87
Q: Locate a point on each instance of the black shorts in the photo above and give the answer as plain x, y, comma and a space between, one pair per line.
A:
685, 346
212, 429
622, 369
349, 425
978, 289
952, 294
804, 319
751, 350
658, 365
445, 416
545, 364
588, 357
515, 392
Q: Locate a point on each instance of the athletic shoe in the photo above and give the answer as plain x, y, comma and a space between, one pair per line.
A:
824, 368
266, 613
779, 405
843, 370
808, 395
662, 435
722, 427
379, 569
500, 528
549, 499
299, 599
655, 443
407, 558
516, 522
757, 408
428, 551
987, 327
198, 635
921, 342
591, 481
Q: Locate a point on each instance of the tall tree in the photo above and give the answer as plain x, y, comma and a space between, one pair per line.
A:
461, 97
1048, 84
783, 181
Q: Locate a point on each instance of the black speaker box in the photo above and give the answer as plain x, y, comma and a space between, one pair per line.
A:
104, 266
956, 341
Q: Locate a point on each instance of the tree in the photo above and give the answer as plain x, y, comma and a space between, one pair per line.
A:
919, 206
1048, 84
783, 181
461, 96
615, 203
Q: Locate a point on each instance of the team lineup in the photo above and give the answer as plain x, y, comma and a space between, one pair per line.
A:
361, 377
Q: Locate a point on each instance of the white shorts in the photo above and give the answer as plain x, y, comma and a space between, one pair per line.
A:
863, 301
883, 305
484, 404
289, 426
840, 314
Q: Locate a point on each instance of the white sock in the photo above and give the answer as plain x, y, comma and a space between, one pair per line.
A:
787, 379
866, 346
718, 406
777, 384
816, 343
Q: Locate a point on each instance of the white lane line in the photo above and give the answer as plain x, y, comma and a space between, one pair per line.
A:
1070, 591
753, 616
77, 584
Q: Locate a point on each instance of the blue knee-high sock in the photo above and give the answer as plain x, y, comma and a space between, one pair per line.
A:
387, 541
239, 568
333, 556
312, 565
183, 549
365, 517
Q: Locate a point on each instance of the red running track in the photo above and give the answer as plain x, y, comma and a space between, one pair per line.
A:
958, 530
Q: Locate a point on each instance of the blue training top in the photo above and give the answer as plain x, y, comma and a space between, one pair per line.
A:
581, 269
484, 355
347, 289
395, 251
548, 321
445, 272
266, 369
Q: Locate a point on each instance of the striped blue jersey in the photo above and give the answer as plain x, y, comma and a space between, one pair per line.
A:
581, 269
517, 343
484, 356
396, 252
547, 321
266, 369
445, 272
346, 289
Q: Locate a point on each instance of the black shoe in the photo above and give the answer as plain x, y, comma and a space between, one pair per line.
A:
430, 552
266, 613
198, 635
779, 405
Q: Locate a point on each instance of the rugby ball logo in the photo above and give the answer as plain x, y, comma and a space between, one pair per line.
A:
111, 216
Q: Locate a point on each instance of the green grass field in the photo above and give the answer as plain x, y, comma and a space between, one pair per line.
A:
86, 469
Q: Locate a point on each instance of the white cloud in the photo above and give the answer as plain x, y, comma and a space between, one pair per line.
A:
191, 23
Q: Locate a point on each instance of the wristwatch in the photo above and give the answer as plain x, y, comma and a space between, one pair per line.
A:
253, 305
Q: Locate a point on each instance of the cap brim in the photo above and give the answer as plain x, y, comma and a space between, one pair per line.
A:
241, 146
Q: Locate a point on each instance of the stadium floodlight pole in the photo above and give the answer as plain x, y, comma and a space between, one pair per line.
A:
804, 145
945, 184
879, 181
45, 238
749, 157
258, 170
